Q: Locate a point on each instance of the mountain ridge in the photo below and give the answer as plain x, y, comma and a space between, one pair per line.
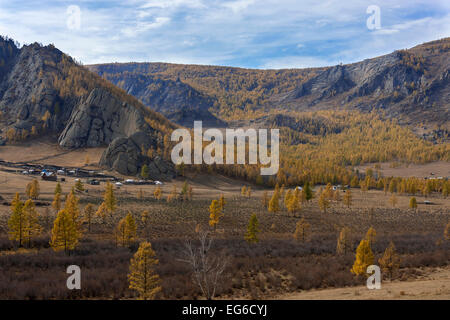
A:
411, 85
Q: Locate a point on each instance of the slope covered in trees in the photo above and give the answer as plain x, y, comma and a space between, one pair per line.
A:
410, 85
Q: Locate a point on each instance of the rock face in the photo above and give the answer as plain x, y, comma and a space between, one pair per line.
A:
124, 156
99, 120
43, 91
176, 100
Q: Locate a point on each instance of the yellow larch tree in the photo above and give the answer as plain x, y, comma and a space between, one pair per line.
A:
215, 213
142, 276
158, 193
302, 230
371, 236
324, 203
32, 227
390, 262
274, 205
251, 236
102, 211
56, 204
33, 189
126, 230
294, 204
364, 258
17, 220
344, 243
65, 235
109, 198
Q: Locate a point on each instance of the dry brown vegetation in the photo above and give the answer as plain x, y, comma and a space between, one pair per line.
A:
274, 266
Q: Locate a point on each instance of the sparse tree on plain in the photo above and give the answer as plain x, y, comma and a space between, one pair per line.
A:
65, 234
390, 262
344, 243
207, 266
302, 230
126, 230
364, 258
251, 236
143, 277
17, 221
215, 213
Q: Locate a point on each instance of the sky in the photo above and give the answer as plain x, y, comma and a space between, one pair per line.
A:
264, 34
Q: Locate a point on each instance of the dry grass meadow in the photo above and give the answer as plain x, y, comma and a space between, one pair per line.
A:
277, 267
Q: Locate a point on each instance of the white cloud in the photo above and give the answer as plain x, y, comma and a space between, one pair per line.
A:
142, 26
239, 5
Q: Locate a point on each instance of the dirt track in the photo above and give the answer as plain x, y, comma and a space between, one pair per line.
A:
434, 286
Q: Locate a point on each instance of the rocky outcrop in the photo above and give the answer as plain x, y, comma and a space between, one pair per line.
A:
124, 155
100, 119
176, 100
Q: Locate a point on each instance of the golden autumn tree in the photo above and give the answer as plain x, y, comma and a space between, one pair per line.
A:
142, 276
287, 198
58, 188
294, 204
65, 235
17, 221
302, 230
371, 236
215, 213
32, 227
109, 198
158, 193
33, 190
390, 262
102, 211
56, 204
88, 214
364, 258
72, 209
413, 203
274, 203
344, 243
348, 198
126, 230
79, 186
324, 203
251, 236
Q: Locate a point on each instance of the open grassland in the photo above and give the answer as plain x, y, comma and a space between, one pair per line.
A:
276, 267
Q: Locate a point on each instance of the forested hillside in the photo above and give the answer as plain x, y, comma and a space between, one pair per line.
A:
409, 85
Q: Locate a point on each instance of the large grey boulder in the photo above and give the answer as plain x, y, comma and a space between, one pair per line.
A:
100, 119
124, 155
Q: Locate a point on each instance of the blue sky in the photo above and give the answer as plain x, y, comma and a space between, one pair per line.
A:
241, 33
